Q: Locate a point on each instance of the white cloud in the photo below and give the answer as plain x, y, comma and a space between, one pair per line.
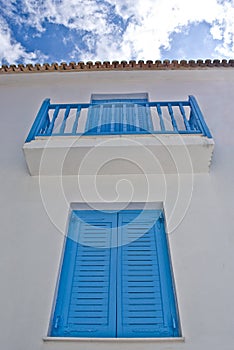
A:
156, 20
149, 25
11, 50
74, 14
225, 26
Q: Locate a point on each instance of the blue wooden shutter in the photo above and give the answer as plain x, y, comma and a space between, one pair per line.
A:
119, 116
86, 302
146, 305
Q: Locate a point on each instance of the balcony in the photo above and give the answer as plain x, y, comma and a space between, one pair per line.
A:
117, 136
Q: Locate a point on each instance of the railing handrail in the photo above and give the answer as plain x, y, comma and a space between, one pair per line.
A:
43, 125
148, 104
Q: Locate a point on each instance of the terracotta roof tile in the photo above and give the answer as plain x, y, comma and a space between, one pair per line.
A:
116, 65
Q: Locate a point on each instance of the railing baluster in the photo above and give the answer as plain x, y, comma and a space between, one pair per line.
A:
182, 111
109, 116
63, 125
124, 117
55, 115
99, 126
172, 117
130, 117
118, 117
136, 109
104, 118
108, 113
162, 125
112, 117
89, 120
146, 118
95, 117
75, 125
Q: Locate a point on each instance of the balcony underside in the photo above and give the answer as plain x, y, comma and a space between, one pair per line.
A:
119, 154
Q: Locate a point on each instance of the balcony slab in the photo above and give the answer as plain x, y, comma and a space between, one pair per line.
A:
119, 154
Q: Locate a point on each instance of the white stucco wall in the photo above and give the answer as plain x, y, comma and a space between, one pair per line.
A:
199, 209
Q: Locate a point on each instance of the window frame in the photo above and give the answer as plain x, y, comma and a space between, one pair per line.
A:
170, 275
119, 114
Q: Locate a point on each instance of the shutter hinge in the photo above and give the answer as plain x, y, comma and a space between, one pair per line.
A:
161, 217
56, 323
160, 220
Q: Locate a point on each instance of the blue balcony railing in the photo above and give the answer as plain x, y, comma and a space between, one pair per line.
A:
119, 117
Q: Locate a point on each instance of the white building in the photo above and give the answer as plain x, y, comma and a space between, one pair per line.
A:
120, 170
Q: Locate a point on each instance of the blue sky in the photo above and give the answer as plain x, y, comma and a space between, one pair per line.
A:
81, 30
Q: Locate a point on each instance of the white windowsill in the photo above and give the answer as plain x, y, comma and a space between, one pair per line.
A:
115, 340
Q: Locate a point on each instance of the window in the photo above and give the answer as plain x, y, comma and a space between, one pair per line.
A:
115, 279
119, 113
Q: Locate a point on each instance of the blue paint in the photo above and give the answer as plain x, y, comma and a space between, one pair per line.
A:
144, 278
159, 110
51, 126
199, 116
118, 115
172, 117
121, 117
116, 277
39, 121
182, 111
75, 125
86, 302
